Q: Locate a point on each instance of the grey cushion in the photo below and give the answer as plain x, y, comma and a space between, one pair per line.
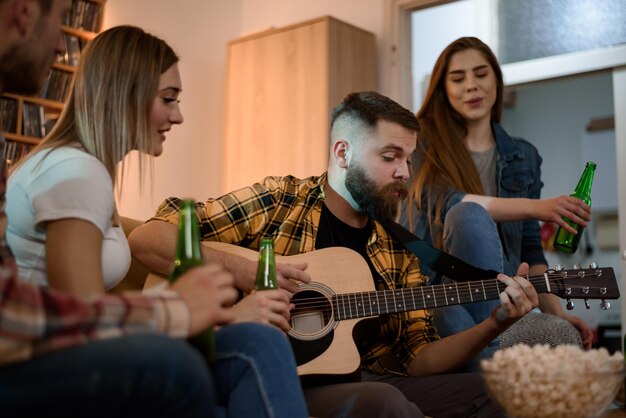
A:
541, 328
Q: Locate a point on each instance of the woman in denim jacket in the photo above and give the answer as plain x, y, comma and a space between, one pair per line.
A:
476, 190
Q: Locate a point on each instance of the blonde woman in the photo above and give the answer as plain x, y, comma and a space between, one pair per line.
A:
64, 227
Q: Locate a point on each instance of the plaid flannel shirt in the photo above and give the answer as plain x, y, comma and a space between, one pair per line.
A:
289, 210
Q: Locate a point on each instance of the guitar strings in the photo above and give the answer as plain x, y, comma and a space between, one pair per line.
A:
387, 295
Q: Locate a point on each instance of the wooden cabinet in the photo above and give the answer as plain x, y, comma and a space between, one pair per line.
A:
24, 120
282, 85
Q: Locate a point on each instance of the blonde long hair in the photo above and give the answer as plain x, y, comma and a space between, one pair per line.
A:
447, 163
108, 110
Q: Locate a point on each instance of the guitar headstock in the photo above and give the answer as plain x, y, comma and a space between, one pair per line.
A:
584, 283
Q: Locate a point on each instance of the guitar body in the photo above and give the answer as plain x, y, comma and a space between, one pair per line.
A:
322, 344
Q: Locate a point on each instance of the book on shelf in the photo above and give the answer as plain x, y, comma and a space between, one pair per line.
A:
57, 85
73, 49
13, 151
33, 120
8, 114
84, 15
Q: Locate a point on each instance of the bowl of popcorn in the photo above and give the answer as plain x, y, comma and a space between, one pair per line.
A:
563, 381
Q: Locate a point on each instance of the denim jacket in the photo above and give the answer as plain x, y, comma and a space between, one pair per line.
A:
518, 174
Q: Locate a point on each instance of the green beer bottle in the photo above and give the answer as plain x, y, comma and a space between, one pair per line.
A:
189, 255
564, 241
266, 270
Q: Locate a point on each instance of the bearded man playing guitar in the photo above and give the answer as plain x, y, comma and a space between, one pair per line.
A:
403, 361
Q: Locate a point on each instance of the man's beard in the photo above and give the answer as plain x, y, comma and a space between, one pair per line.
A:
18, 74
381, 205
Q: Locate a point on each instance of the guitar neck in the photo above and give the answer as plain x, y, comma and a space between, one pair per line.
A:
363, 304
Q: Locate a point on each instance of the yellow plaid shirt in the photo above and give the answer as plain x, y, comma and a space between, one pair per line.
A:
289, 210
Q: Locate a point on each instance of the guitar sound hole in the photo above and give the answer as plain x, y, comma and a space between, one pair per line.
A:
311, 314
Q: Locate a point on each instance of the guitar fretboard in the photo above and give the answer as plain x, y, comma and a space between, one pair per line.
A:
362, 304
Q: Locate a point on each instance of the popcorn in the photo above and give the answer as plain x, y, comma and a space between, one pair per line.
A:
554, 382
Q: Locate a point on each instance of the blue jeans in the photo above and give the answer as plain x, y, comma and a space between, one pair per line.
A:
156, 376
470, 234
256, 373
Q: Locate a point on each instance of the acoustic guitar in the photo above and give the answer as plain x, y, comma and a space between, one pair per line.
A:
342, 292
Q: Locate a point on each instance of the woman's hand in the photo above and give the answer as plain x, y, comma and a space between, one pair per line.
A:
554, 209
209, 292
265, 306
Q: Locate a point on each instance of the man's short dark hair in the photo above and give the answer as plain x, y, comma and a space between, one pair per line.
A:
369, 107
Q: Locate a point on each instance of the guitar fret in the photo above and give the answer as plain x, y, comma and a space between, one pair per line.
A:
466, 293
340, 307
401, 293
423, 299
370, 303
430, 297
450, 300
484, 293
445, 295
458, 298
547, 282
377, 303
413, 298
386, 303
498, 286
362, 304
394, 297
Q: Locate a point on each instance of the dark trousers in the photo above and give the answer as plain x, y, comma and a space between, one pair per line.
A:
451, 395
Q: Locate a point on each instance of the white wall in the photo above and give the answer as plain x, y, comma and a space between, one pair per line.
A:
560, 110
199, 31
553, 115
430, 36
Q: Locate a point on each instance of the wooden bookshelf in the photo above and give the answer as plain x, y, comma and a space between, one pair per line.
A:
25, 120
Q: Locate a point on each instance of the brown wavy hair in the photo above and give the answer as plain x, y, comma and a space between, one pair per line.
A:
446, 162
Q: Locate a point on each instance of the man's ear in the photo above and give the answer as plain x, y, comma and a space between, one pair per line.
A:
341, 149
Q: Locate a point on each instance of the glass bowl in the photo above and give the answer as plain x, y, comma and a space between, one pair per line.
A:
537, 387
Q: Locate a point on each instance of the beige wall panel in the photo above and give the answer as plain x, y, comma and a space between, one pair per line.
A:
278, 97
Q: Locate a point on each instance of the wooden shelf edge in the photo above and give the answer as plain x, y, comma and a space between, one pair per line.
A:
79, 32
47, 103
21, 138
601, 124
64, 67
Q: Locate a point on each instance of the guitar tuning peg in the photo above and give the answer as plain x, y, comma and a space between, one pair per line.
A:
569, 305
577, 266
587, 304
593, 265
604, 305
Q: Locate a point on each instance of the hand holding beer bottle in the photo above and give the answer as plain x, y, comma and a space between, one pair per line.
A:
189, 255
565, 241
